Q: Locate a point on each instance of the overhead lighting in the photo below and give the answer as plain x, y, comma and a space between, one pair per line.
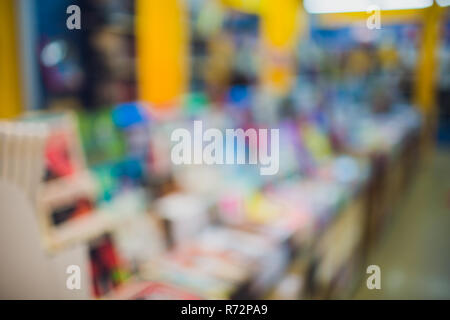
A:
333, 6
443, 3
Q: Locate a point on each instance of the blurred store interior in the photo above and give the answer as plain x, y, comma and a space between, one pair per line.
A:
360, 93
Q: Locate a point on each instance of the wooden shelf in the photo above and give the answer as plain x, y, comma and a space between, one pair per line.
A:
108, 218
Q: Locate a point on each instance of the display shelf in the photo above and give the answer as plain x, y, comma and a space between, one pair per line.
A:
124, 208
80, 230
68, 187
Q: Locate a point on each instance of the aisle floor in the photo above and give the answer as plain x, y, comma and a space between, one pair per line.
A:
414, 251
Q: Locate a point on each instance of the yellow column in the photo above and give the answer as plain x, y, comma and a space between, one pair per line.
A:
162, 50
428, 64
279, 31
10, 94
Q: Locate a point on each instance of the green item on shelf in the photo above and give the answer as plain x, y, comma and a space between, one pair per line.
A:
108, 183
102, 140
120, 275
195, 103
